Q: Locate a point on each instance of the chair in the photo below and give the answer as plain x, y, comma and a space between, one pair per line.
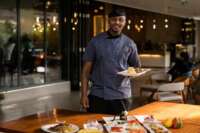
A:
156, 80
160, 77
187, 86
171, 92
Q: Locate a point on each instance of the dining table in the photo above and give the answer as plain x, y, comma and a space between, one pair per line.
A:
190, 114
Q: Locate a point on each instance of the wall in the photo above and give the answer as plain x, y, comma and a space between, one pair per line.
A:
32, 100
161, 34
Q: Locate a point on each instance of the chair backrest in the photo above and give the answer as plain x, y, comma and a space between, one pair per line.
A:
178, 86
160, 77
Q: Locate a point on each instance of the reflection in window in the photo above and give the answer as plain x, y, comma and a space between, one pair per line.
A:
36, 60
53, 50
8, 47
41, 52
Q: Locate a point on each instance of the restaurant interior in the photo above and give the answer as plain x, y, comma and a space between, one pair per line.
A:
42, 43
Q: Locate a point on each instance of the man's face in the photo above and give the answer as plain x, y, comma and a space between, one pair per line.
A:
117, 23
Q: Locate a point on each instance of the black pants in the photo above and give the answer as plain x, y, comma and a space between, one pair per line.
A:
99, 105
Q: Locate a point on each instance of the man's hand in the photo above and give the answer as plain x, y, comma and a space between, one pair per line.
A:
85, 102
87, 67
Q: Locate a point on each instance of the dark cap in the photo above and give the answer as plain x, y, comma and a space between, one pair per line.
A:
116, 13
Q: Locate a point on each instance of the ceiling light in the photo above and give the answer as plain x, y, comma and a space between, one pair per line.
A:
37, 19
48, 3
75, 14
154, 26
166, 26
101, 7
95, 10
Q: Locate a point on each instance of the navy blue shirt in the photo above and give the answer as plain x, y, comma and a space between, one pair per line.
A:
109, 56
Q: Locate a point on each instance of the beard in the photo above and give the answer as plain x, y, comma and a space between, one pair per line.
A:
115, 32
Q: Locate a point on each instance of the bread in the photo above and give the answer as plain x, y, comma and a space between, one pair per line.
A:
131, 70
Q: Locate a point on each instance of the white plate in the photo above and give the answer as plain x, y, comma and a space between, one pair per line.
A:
147, 120
47, 126
117, 119
93, 125
123, 124
125, 73
148, 127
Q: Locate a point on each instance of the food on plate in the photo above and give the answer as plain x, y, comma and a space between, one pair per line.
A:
131, 70
136, 131
116, 129
90, 131
128, 125
93, 125
133, 126
158, 128
62, 128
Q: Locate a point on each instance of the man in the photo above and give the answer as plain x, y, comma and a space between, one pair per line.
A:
105, 55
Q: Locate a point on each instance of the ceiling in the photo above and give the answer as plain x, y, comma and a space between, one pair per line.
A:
181, 8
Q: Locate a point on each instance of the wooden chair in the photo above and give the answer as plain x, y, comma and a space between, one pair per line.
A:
171, 92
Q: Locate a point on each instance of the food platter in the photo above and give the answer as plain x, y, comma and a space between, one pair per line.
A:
151, 124
115, 125
134, 123
68, 128
134, 74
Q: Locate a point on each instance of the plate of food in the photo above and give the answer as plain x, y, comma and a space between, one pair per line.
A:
130, 125
60, 128
146, 118
151, 124
93, 124
133, 72
125, 128
156, 128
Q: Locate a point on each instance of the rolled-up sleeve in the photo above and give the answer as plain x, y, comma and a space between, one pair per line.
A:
133, 59
90, 53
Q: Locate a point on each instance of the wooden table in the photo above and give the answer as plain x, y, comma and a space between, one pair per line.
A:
160, 110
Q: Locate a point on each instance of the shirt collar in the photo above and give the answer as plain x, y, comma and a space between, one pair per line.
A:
111, 36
